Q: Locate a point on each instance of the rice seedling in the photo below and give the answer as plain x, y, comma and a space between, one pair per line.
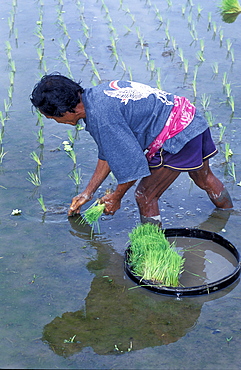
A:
232, 55
174, 43
75, 175
199, 56
140, 37
92, 214
36, 158
40, 136
94, 69
8, 50
215, 68
81, 48
222, 130
41, 202
152, 256
2, 154
228, 152
209, 117
180, 53
2, 119
221, 37
70, 151
7, 106
232, 171
228, 90
1, 135
34, 178
205, 101
230, 9
199, 10
185, 65
231, 102
130, 74
209, 21
158, 81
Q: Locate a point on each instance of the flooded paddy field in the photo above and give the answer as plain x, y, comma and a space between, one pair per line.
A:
65, 299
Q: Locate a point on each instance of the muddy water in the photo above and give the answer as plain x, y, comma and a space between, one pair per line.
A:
65, 300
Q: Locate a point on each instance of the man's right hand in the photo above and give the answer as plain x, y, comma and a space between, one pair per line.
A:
77, 202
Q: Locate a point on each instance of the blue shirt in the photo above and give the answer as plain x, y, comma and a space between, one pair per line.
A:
124, 117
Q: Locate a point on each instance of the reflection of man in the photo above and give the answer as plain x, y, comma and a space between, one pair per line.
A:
118, 319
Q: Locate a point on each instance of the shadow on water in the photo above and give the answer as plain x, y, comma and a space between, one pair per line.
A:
117, 319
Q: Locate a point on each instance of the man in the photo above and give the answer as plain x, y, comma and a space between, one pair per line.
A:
141, 133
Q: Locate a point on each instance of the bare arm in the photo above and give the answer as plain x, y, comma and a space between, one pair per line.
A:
101, 172
113, 201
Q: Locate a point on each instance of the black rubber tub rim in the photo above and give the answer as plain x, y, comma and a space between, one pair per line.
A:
195, 290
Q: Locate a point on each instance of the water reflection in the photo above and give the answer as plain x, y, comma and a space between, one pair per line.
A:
116, 319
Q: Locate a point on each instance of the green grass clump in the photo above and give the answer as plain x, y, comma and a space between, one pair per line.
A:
230, 9
152, 256
92, 214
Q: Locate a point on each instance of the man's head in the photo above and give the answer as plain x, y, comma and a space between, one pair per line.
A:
56, 95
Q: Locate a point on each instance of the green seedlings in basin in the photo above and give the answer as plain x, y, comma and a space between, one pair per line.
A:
230, 9
41, 202
34, 178
152, 257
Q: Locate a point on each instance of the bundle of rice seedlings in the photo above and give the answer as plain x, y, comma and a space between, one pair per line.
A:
92, 214
152, 256
230, 9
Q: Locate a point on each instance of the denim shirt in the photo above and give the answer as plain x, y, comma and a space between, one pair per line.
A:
124, 117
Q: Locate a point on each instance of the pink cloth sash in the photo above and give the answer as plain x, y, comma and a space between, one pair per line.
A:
180, 117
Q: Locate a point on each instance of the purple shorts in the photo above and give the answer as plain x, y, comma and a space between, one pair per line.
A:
190, 157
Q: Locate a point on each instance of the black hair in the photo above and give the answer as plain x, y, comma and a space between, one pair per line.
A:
55, 95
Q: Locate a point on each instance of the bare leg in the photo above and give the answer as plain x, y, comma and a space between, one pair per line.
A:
149, 191
215, 189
